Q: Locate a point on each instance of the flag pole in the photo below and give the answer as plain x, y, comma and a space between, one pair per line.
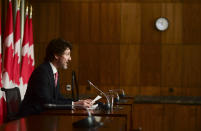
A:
22, 19
30, 11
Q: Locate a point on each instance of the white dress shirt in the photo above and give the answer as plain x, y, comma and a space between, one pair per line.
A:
54, 69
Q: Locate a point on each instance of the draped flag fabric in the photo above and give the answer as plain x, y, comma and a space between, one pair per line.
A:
17, 59
31, 46
8, 54
1, 96
25, 57
0, 54
8, 57
16, 62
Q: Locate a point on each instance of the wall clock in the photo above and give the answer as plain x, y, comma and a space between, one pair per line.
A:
162, 24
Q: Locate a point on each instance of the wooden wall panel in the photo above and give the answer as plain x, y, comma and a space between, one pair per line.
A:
191, 67
74, 64
130, 23
116, 45
148, 117
110, 33
185, 118
90, 23
95, 36
110, 22
70, 21
173, 12
180, 117
4, 7
149, 13
0, 7
198, 119
84, 23
39, 52
191, 20
46, 21
129, 65
142, 1
150, 91
192, 91
155, 1
45, 1
150, 65
168, 120
192, 1
91, 1
166, 117
89, 64
109, 60
171, 68
130, 90
172, 91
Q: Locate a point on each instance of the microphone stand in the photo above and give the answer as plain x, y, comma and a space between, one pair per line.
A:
116, 99
108, 102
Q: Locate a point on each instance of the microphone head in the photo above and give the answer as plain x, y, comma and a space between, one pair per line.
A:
73, 73
89, 82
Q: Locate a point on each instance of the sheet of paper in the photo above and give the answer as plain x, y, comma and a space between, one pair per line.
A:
97, 98
93, 101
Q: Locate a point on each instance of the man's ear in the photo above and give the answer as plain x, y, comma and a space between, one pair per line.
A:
56, 57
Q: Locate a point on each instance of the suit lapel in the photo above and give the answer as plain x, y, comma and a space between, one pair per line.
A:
51, 80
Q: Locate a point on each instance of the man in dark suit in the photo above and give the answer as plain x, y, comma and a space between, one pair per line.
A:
43, 85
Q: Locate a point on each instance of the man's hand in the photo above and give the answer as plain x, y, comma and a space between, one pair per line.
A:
85, 103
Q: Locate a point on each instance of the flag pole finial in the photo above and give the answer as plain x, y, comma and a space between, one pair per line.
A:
18, 4
30, 11
27, 10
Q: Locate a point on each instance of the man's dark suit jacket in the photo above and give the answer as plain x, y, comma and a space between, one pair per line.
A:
41, 90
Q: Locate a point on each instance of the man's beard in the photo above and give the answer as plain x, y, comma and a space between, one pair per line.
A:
65, 66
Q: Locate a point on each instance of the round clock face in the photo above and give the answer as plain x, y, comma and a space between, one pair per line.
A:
162, 24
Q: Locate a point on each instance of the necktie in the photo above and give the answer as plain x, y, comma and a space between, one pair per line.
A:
56, 78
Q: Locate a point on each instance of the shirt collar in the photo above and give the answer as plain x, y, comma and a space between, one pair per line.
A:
54, 69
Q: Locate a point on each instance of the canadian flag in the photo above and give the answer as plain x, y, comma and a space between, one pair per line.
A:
16, 62
25, 57
31, 45
8, 54
0, 55
1, 96
8, 58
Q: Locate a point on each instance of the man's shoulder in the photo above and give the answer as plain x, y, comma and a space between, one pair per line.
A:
41, 72
43, 67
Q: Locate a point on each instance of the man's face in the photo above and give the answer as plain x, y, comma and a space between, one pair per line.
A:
64, 59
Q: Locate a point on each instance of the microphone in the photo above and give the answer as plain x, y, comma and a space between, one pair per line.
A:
88, 122
108, 102
75, 87
122, 92
117, 98
119, 94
